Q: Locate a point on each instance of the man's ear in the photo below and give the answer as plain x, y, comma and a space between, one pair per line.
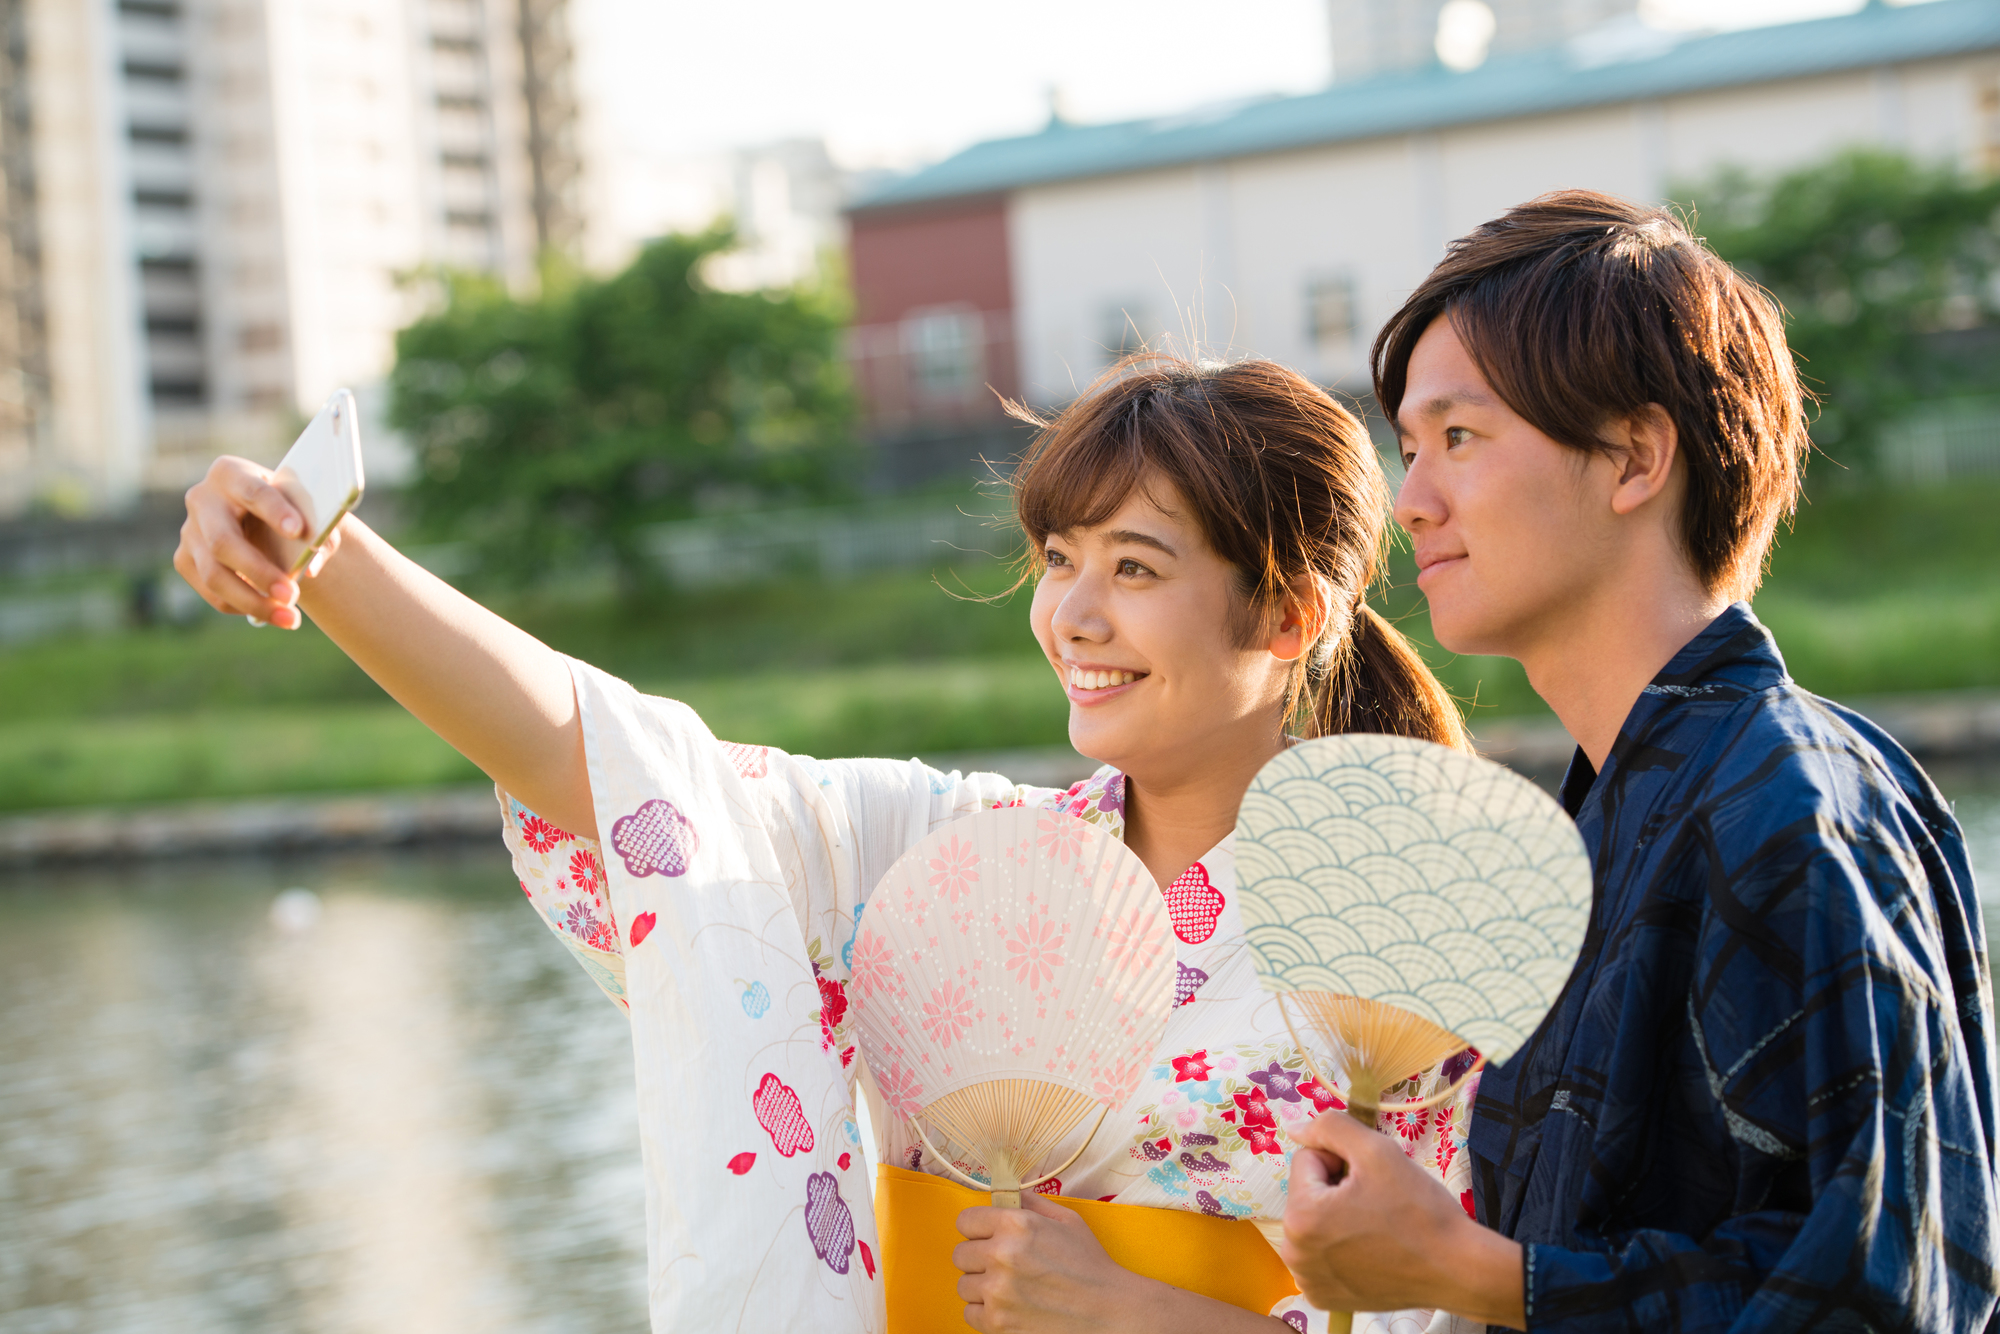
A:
1301, 619
1647, 445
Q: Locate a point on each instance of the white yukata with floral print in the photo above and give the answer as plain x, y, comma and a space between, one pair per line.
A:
1208, 1128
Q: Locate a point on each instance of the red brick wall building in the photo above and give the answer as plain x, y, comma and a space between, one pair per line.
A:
933, 338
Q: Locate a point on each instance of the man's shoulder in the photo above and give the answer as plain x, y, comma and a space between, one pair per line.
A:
1783, 762
1785, 741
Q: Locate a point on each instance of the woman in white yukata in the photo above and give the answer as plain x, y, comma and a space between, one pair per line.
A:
1202, 538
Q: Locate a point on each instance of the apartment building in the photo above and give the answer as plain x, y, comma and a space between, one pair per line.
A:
213, 208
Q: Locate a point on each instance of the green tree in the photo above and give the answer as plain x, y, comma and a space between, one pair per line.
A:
551, 431
1886, 268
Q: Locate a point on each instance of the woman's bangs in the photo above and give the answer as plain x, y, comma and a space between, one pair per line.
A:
1078, 479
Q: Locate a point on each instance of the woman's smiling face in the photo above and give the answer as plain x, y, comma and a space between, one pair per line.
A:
1143, 622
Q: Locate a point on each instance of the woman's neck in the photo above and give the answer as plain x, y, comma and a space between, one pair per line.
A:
1172, 819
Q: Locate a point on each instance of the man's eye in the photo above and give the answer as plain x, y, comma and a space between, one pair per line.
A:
1409, 458
1457, 435
1055, 557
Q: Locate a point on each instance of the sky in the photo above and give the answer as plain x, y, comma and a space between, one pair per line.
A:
895, 83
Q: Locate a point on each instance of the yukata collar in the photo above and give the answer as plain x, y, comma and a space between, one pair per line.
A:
1735, 656
1099, 799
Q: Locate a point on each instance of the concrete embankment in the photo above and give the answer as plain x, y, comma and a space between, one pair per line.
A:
1936, 728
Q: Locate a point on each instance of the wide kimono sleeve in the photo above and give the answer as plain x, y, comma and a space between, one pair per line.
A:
1835, 1037
717, 909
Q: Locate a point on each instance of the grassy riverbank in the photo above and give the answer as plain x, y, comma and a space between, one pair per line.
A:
1872, 594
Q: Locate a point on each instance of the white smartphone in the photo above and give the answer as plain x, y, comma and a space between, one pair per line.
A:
321, 475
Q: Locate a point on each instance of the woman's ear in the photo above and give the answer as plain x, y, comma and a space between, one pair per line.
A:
1300, 619
1647, 447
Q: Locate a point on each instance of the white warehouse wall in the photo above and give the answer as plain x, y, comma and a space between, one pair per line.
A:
1219, 257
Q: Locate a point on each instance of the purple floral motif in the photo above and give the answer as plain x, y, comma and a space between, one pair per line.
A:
1459, 1064
656, 839
1186, 980
1199, 1140
828, 1221
913, 1158
1297, 1320
1208, 1162
1209, 1204
1112, 800
1278, 1082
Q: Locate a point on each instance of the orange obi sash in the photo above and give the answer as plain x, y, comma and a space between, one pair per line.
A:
916, 1218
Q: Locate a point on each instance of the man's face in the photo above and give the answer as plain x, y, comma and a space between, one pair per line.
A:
1513, 532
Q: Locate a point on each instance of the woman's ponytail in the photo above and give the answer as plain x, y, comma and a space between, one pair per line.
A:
1375, 682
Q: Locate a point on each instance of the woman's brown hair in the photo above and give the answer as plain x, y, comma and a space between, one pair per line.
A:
1286, 486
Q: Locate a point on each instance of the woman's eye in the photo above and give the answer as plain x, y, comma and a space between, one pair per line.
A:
1055, 557
1128, 566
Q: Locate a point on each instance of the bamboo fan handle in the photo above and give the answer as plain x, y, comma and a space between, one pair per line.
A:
1005, 1198
1363, 1112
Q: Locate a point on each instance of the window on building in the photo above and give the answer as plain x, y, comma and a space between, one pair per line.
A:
180, 391
154, 71
1331, 317
946, 351
260, 337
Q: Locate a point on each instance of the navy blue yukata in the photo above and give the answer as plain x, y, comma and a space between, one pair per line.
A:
1765, 1101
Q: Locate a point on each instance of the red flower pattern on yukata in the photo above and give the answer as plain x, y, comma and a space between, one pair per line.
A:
540, 835
1194, 904
1408, 1125
1194, 1066
1446, 1149
832, 1009
1323, 1098
586, 870
783, 1117
1262, 1139
1256, 1111
584, 924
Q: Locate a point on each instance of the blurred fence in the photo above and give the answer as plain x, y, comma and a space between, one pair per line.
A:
1952, 440
831, 544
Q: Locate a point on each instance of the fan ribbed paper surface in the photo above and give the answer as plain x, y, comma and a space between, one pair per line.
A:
1012, 973
1408, 874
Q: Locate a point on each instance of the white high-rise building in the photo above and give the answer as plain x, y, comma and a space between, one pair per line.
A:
1387, 36
212, 209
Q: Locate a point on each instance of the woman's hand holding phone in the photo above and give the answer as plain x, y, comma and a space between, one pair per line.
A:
230, 539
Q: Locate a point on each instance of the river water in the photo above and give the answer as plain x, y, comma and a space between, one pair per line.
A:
410, 1114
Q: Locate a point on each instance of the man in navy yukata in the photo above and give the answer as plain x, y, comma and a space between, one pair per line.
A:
1765, 1100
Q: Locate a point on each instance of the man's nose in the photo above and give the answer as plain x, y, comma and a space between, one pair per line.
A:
1418, 499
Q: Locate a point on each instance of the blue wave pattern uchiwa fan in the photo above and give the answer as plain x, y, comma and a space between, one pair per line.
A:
1405, 901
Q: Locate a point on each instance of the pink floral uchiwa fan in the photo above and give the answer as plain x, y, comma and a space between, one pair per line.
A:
1012, 976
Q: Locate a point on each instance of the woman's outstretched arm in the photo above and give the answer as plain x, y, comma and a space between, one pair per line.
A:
498, 695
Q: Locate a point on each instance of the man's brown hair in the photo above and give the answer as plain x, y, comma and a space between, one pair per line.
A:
1579, 309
